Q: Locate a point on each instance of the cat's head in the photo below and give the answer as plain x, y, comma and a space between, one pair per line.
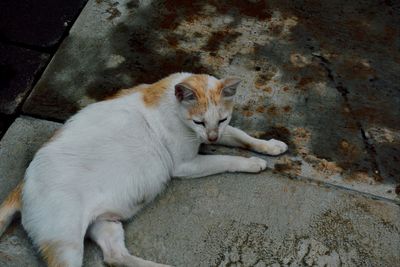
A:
206, 104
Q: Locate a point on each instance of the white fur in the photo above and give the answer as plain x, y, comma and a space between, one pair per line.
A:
111, 159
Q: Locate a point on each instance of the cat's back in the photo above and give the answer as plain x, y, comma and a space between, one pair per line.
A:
127, 128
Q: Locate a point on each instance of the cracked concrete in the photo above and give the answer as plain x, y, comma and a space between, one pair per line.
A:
321, 76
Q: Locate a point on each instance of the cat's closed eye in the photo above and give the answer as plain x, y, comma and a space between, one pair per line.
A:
199, 122
221, 121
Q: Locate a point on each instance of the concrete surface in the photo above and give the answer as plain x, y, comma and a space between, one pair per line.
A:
315, 75
17, 148
266, 219
319, 75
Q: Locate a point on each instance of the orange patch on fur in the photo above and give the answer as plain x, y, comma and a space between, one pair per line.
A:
199, 83
49, 251
216, 93
126, 92
13, 200
55, 135
153, 93
10, 206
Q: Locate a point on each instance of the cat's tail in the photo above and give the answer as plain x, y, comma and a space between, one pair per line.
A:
10, 207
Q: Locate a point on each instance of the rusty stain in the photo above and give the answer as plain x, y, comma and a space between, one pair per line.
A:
273, 111
322, 165
113, 11
172, 40
288, 166
397, 189
262, 80
260, 109
348, 150
220, 38
246, 111
360, 176
287, 108
275, 28
267, 90
304, 82
282, 167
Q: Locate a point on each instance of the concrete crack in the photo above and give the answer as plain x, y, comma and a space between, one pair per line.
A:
342, 89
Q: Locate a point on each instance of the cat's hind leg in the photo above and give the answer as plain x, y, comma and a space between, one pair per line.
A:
109, 235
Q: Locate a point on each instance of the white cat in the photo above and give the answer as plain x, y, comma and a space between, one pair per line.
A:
115, 156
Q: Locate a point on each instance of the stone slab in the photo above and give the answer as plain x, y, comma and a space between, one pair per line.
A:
229, 219
41, 25
19, 68
18, 146
298, 83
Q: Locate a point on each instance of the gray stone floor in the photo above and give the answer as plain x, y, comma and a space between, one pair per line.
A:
322, 76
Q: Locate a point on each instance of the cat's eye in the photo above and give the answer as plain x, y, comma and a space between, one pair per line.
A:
199, 122
221, 121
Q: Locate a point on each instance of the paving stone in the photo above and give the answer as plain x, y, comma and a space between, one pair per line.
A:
18, 146
19, 68
41, 25
226, 219
304, 67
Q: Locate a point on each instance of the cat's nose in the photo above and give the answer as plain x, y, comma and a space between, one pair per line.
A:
212, 136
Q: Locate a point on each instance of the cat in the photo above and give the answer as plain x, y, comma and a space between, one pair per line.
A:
115, 156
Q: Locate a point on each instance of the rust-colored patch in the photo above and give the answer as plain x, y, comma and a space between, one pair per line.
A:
152, 94
55, 135
276, 28
287, 108
220, 38
126, 92
286, 165
272, 111
246, 111
285, 89
50, 251
361, 177
260, 109
13, 200
113, 10
348, 150
204, 95
397, 189
325, 166
198, 83
172, 40
304, 82
263, 78
267, 90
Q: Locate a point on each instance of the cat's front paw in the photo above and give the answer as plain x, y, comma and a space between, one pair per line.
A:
272, 147
254, 165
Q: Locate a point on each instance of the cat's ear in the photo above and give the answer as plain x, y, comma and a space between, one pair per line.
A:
230, 86
183, 92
